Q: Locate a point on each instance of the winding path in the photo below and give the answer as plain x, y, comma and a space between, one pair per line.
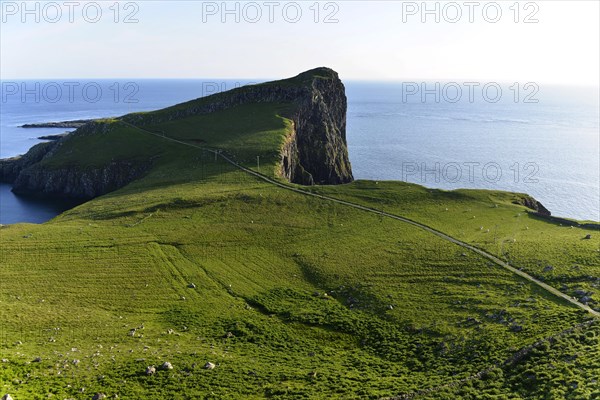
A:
442, 235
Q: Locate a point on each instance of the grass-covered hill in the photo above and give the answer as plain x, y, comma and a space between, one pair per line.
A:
251, 288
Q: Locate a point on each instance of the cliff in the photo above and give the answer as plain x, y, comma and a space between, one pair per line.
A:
532, 204
77, 183
314, 151
10, 168
37, 173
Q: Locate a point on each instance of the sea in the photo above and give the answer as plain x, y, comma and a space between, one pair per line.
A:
524, 137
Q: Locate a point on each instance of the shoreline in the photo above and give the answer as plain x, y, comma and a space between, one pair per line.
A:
78, 123
75, 124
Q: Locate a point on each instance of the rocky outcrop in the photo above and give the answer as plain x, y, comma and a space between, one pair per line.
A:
532, 204
319, 153
315, 151
30, 175
64, 124
10, 168
78, 183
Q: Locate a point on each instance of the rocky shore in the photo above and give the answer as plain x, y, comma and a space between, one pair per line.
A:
64, 124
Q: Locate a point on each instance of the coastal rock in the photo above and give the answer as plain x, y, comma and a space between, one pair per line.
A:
10, 168
74, 182
64, 124
316, 151
532, 204
30, 174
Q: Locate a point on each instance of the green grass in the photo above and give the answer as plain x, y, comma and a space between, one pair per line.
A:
303, 285
556, 254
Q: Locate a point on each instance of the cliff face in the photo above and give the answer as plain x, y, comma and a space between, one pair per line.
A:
76, 183
10, 168
315, 151
532, 204
30, 176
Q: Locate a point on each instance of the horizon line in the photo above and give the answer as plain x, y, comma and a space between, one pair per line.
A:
354, 80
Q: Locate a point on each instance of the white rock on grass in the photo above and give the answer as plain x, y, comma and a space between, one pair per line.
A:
209, 365
166, 366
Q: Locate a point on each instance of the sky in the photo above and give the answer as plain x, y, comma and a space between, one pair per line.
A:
544, 41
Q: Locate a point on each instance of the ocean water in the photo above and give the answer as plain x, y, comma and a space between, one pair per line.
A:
549, 149
546, 142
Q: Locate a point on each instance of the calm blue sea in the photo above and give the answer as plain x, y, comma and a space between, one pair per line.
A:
545, 142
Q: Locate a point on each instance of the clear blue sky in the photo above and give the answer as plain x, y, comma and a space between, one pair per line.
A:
370, 40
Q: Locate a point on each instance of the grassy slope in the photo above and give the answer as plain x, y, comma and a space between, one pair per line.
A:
258, 255
557, 254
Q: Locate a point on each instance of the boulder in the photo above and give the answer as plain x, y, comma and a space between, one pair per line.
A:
166, 366
209, 365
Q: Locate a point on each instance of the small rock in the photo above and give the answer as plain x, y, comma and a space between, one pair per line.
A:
548, 268
390, 307
588, 237
150, 371
463, 254
192, 286
209, 365
170, 331
76, 362
99, 396
4, 360
37, 359
516, 328
7, 397
166, 366
229, 335
131, 332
